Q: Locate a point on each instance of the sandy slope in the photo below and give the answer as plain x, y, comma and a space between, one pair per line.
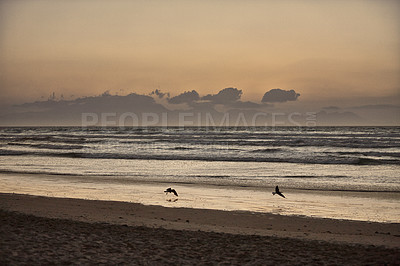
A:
56, 230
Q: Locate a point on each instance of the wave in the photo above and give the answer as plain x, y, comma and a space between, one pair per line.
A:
182, 148
313, 176
266, 150
32, 172
119, 175
208, 141
251, 137
357, 146
368, 153
49, 146
209, 157
50, 139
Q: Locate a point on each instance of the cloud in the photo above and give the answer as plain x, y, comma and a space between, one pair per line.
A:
339, 118
245, 105
331, 108
224, 96
379, 114
377, 107
223, 108
159, 94
186, 97
202, 107
65, 112
279, 96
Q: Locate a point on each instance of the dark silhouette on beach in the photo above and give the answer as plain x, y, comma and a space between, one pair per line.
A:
278, 192
171, 190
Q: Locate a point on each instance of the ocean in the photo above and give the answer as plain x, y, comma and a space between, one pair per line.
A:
333, 172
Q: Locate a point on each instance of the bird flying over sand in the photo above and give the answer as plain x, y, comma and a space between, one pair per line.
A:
171, 190
278, 192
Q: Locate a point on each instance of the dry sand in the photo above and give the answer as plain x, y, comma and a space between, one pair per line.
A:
41, 230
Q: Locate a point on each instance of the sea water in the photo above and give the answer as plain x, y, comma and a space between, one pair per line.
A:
334, 172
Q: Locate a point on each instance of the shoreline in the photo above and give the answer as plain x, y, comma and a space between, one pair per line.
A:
360, 206
206, 220
136, 180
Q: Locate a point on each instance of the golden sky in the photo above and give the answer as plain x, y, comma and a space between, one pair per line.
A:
329, 51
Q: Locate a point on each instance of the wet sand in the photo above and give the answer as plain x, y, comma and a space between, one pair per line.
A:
41, 230
352, 205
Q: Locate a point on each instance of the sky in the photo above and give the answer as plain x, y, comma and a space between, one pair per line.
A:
333, 53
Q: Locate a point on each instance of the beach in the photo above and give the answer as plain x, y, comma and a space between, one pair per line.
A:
199, 133
96, 196
41, 230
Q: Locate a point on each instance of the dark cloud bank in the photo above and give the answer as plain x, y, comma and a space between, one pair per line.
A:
186, 97
279, 96
228, 95
224, 108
